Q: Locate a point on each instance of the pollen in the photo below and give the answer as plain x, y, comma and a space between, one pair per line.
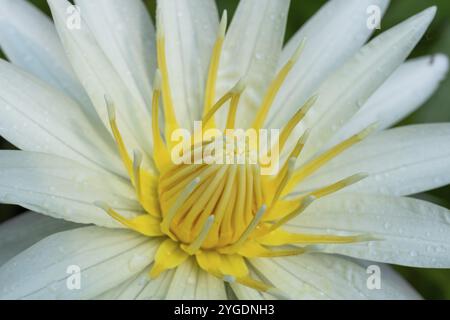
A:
224, 212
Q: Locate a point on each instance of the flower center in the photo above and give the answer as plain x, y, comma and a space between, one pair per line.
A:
210, 198
211, 205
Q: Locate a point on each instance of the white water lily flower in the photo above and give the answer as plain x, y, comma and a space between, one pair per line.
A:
81, 103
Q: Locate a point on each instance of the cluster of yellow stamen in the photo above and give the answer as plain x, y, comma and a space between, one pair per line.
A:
223, 213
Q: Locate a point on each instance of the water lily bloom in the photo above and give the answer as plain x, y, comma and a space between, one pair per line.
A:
94, 97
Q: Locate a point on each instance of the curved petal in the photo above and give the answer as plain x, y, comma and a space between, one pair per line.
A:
105, 258
99, 78
410, 86
411, 232
62, 188
140, 287
125, 33
344, 92
251, 49
400, 161
22, 231
323, 276
37, 117
190, 282
35, 47
190, 29
333, 35
394, 278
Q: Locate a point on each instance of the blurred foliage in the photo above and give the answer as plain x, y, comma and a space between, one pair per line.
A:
432, 284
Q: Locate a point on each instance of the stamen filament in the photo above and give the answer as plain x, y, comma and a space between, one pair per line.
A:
235, 91
299, 115
231, 120
275, 87
117, 136
285, 180
196, 245
251, 227
304, 204
161, 154
214, 65
339, 185
312, 166
169, 112
165, 224
137, 162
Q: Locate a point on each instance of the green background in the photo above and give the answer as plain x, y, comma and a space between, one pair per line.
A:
431, 283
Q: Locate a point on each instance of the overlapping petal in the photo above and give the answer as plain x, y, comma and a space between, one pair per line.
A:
44, 270
62, 188
407, 231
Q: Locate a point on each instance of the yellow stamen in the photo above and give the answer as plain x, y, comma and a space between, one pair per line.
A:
168, 256
117, 136
236, 91
312, 166
299, 115
169, 113
339, 185
231, 119
280, 237
250, 228
144, 224
275, 87
165, 224
161, 154
137, 162
214, 65
302, 207
195, 246
287, 176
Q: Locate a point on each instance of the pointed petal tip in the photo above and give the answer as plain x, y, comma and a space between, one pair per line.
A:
427, 15
440, 62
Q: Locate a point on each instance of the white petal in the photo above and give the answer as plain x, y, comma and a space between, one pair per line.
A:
100, 79
192, 283
251, 50
62, 188
24, 230
411, 232
323, 276
343, 93
400, 161
190, 29
124, 31
332, 35
105, 257
394, 278
29, 40
37, 117
141, 287
407, 89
